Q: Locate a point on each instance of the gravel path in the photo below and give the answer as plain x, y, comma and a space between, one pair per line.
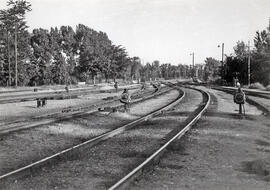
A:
223, 151
27, 146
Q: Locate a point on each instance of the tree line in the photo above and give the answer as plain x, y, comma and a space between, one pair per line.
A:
236, 64
65, 56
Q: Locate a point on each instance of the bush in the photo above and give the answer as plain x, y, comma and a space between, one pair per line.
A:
256, 85
268, 88
73, 80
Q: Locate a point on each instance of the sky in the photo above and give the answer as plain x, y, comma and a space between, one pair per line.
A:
164, 30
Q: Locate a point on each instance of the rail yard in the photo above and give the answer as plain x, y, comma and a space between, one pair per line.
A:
134, 94
179, 135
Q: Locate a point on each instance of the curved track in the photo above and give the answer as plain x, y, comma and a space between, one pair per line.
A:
124, 182
250, 100
93, 141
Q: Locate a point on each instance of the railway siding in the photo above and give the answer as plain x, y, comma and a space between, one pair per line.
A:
109, 123
223, 151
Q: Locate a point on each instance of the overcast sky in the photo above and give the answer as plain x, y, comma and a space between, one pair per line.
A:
165, 30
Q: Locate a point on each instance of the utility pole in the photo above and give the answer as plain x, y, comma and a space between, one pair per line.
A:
193, 60
8, 52
222, 60
193, 69
248, 63
16, 54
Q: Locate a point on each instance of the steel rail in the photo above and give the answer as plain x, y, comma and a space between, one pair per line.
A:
95, 140
255, 93
251, 92
122, 183
50, 95
260, 106
78, 110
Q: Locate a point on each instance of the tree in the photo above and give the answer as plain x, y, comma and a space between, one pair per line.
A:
155, 73
135, 68
59, 55
212, 69
262, 41
119, 61
235, 68
13, 21
260, 58
42, 50
88, 50
241, 50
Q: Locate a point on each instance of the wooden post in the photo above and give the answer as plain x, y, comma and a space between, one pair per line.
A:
8, 52
16, 58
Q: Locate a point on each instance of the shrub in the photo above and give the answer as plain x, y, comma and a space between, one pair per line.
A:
256, 85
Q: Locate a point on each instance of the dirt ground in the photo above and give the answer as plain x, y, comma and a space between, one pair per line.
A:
222, 151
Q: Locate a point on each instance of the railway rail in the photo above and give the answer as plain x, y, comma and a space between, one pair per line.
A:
124, 182
252, 95
263, 95
152, 159
12, 98
8, 127
251, 92
92, 141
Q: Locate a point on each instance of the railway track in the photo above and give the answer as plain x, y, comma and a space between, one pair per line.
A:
255, 93
72, 112
89, 142
151, 160
257, 98
250, 92
251, 100
12, 98
176, 134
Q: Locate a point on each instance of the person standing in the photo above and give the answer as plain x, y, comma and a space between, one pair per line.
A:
125, 99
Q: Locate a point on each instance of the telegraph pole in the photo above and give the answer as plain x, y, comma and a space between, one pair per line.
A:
16, 56
8, 52
193, 69
248, 63
222, 60
193, 60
